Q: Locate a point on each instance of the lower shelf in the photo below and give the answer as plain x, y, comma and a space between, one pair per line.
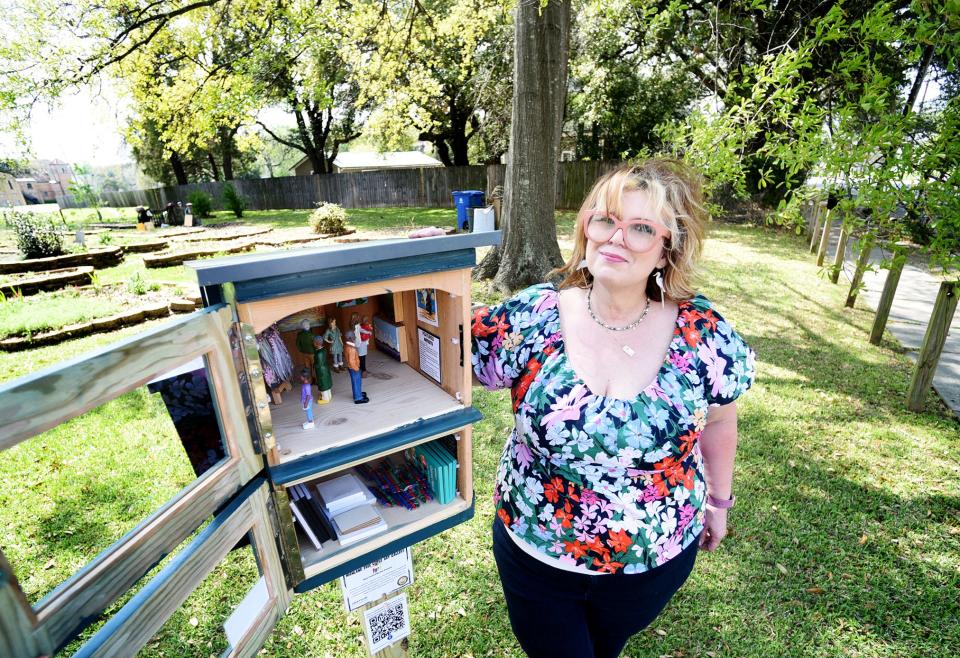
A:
402, 523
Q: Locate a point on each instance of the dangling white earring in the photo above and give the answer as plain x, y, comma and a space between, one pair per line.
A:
658, 277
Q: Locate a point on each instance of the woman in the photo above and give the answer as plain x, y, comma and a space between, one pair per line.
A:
623, 380
334, 338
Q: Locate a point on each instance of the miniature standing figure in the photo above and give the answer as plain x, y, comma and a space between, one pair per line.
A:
334, 339
305, 344
322, 371
306, 398
353, 366
364, 334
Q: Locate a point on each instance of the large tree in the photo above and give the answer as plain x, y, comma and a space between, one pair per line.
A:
529, 249
440, 68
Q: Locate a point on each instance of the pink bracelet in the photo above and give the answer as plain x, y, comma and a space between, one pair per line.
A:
719, 503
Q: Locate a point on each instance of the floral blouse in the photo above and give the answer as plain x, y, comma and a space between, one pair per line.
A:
599, 482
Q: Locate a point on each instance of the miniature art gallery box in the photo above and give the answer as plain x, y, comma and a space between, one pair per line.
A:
406, 305
323, 397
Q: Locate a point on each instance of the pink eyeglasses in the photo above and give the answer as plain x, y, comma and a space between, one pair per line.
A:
639, 235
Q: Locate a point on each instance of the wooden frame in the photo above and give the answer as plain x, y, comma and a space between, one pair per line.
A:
45, 399
137, 621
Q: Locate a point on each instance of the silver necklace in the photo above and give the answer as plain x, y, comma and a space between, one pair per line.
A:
626, 348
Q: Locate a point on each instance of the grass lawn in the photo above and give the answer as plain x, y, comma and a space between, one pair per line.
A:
845, 540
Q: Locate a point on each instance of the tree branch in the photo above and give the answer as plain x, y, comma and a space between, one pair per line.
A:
280, 140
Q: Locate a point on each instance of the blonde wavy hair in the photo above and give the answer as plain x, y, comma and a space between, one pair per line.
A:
676, 191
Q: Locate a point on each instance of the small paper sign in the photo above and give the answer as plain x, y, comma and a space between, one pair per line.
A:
387, 623
429, 354
385, 576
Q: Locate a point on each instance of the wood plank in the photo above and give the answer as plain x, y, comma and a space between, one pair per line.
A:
18, 636
86, 594
866, 247
886, 297
261, 314
35, 403
933, 341
840, 253
824, 239
136, 623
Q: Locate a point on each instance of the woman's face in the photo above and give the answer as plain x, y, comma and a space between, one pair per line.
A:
612, 263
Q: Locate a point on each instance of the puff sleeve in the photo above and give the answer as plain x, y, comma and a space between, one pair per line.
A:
727, 363
506, 336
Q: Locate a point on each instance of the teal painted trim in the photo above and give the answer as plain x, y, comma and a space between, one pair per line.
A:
120, 344
308, 259
93, 645
352, 274
393, 440
394, 546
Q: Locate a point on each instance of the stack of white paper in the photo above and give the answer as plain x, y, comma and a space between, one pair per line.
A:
343, 493
351, 508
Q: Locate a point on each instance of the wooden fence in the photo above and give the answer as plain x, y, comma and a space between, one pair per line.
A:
426, 188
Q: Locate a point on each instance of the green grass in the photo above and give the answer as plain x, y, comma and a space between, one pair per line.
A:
853, 496
52, 310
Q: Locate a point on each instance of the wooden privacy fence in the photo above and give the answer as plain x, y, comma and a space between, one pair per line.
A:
423, 187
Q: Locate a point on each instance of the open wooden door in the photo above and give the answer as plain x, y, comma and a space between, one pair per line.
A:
228, 502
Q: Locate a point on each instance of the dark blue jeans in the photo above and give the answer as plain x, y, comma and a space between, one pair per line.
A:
561, 614
356, 385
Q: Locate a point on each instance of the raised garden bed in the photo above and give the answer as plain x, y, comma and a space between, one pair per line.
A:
118, 305
110, 323
178, 258
98, 259
226, 234
30, 284
145, 246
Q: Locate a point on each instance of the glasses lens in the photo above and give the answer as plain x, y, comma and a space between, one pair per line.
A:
600, 227
641, 236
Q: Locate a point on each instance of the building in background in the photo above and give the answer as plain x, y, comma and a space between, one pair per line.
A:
54, 171
10, 194
352, 161
38, 191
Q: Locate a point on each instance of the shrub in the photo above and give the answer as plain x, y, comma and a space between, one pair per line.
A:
37, 237
328, 218
233, 201
137, 285
106, 239
201, 202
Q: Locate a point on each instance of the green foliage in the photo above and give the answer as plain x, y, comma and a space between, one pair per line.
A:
37, 236
106, 238
137, 285
233, 201
21, 316
328, 218
201, 202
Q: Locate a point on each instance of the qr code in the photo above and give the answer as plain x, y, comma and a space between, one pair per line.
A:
387, 622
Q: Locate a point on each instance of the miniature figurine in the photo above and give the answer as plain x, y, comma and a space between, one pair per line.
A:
334, 339
322, 370
306, 398
305, 344
353, 367
364, 334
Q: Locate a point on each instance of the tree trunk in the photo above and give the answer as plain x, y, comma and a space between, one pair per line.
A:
226, 147
213, 166
179, 173
529, 249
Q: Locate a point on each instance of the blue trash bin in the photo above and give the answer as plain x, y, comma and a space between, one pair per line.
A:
465, 201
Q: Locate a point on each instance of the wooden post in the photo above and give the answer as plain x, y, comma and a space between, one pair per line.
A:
865, 250
933, 342
818, 212
886, 298
824, 239
841, 252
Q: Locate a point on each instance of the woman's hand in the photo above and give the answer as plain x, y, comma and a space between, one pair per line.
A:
714, 528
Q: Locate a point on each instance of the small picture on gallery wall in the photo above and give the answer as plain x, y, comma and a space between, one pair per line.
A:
427, 310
